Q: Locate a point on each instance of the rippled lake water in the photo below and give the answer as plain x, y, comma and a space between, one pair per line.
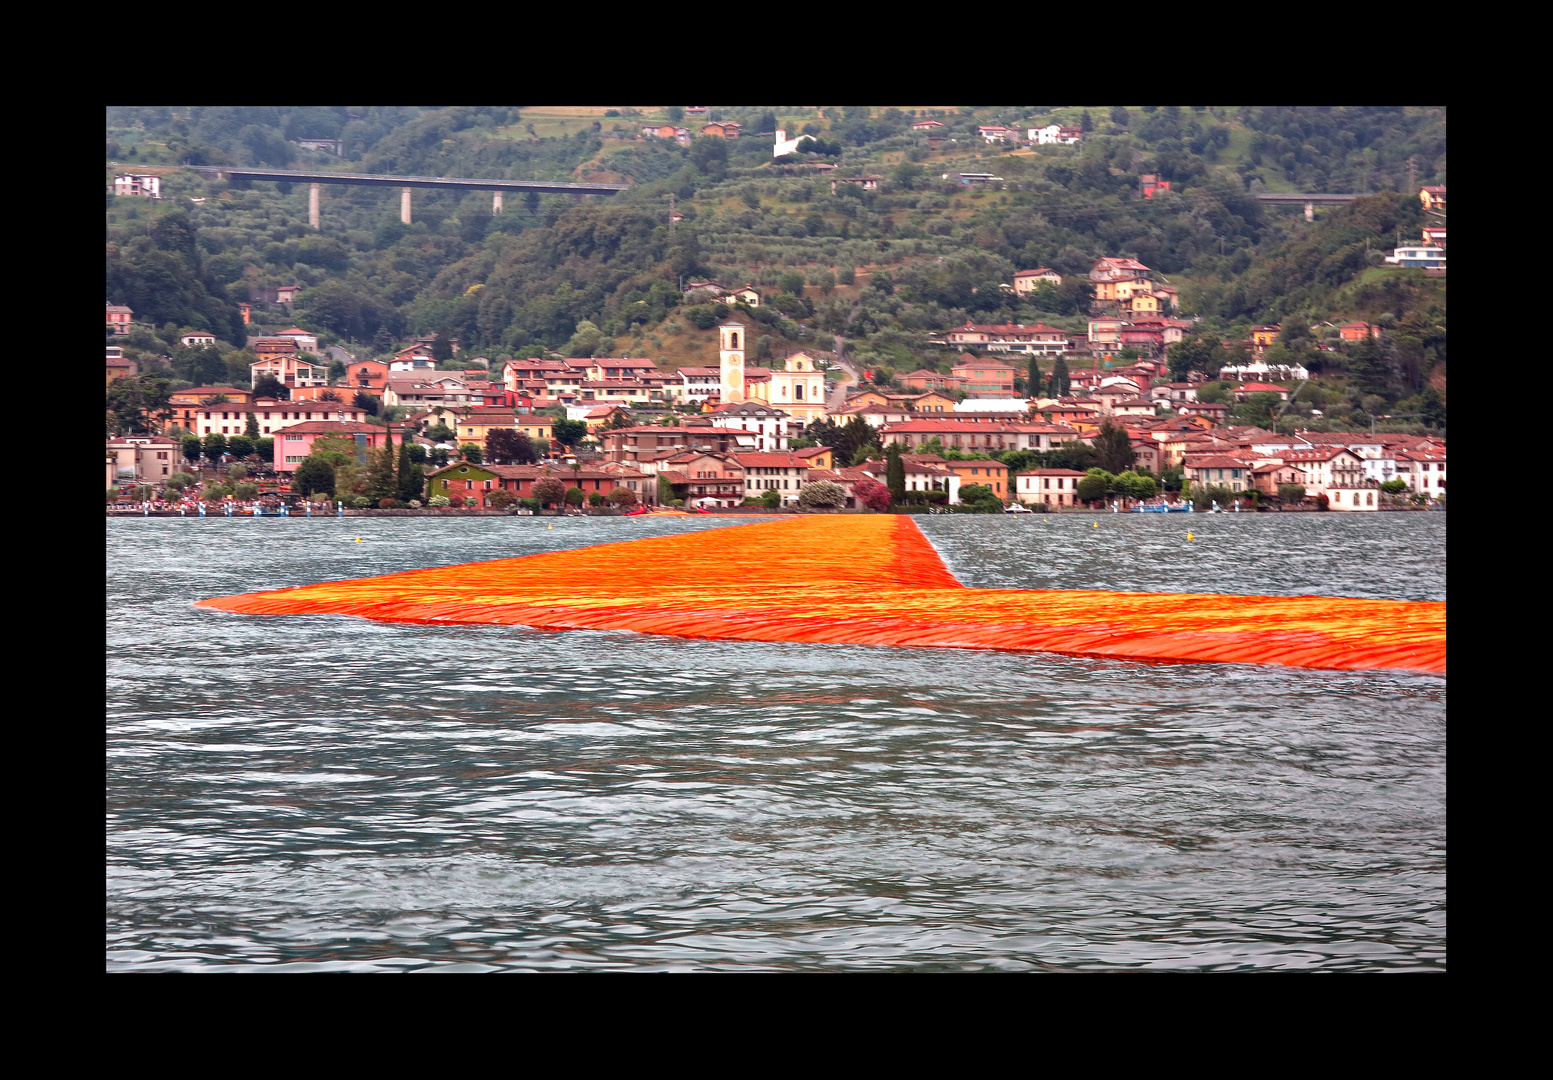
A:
327, 793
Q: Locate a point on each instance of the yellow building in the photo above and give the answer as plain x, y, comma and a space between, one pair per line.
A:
797, 387
1143, 303
1264, 337
471, 425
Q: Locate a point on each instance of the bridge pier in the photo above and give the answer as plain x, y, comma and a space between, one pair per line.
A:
1310, 211
496, 203
312, 205
404, 205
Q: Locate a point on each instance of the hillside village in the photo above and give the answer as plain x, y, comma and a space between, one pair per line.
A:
949, 381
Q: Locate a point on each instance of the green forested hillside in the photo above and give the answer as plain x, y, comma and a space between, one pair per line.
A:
885, 267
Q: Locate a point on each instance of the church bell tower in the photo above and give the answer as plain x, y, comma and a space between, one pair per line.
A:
730, 356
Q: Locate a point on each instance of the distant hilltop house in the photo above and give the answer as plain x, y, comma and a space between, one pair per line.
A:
867, 183
1425, 256
332, 146
119, 318
1148, 184
706, 290
1433, 198
973, 179
725, 129
196, 339
926, 125
287, 293
1435, 237
784, 145
1054, 134
696, 110
149, 187
997, 133
1027, 281
667, 131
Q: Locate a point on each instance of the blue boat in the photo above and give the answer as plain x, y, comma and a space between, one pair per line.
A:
1162, 508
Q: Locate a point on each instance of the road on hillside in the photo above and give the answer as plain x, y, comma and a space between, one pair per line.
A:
337, 353
849, 377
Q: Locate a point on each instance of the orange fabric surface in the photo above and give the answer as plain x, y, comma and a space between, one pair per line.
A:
872, 580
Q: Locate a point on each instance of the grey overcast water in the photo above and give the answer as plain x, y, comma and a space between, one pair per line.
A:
325, 793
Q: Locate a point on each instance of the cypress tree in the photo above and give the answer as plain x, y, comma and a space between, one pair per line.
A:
895, 473
381, 483
1033, 381
410, 474
1059, 383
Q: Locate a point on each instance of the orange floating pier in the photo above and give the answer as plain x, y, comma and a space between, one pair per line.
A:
766, 582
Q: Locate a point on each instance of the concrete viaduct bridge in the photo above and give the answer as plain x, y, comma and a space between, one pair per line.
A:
1310, 201
405, 183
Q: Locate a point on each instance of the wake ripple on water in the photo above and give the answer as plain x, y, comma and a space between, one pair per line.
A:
330, 794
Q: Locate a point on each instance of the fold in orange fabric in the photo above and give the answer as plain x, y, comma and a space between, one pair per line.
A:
869, 580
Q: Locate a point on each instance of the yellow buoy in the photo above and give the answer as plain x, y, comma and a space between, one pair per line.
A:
358, 539
1095, 524
549, 526
1189, 536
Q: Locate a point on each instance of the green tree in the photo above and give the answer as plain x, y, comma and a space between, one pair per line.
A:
509, 447
441, 347
313, 475
623, 497
138, 406
180, 481
895, 473
709, 154
585, 341
569, 432
269, 386
1293, 493
981, 498
1393, 487
1431, 408
191, 446
1060, 385
771, 500
1033, 383
1094, 487
471, 453
251, 428
380, 483
1113, 448
500, 499
412, 481
574, 496
214, 446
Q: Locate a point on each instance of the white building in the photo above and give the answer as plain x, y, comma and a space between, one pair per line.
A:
1425, 256
1424, 471
766, 425
148, 186
785, 146
199, 337
1054, 134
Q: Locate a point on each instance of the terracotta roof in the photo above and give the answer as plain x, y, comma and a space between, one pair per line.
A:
329, 427
771, 461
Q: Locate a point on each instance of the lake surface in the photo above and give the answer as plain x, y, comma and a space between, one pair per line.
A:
327, 793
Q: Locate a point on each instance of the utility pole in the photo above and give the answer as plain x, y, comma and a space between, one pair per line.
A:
1412, 174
